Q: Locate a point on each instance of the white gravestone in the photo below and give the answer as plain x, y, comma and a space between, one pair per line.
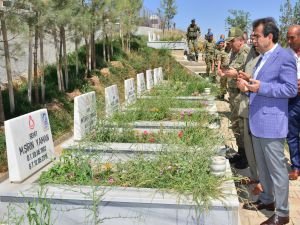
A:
149, 78
149, 36
160, 74
156, 76
153, 37
130, 96
85, 114
141, 85
112, 102
29, 144
158, 37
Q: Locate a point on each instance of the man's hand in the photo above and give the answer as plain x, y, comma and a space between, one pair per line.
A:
253, 85
232, 73
220, 73
242, 85
244, 76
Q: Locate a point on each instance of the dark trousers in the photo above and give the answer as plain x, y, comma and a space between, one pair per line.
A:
294, 132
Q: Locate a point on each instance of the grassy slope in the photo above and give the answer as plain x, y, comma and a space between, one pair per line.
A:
140, 59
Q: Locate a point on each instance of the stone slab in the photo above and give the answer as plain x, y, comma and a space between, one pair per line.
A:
149, 79
130, 96
85, 114
29, 144
141, 84
112, 101
72, 204
167, 44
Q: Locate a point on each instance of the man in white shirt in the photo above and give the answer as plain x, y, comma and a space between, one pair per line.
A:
293, 38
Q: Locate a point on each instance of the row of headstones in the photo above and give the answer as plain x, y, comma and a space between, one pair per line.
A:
28, 137
153, 36
85, 115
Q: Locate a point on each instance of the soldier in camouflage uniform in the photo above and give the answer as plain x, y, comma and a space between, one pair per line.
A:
238, 56
222, 61
209, 52
192, 34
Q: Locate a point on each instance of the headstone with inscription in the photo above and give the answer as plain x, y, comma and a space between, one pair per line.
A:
160, 74
112, 102
141, 85
149, 78
85, 114
156, 76
130, 96
29, 144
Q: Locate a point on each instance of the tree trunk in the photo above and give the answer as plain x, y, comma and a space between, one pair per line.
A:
29, 92
35, 64
93, 50
108, 50
104, 48
76, 56
8, 67
60, 85
87, 56
60, 60
2, 116
42, 64
65, 56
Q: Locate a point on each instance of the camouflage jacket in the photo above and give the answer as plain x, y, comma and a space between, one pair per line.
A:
209, 48
192, 32
237, 61
223, 57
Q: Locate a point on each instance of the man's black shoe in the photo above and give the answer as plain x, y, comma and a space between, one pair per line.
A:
241, 164
234, 158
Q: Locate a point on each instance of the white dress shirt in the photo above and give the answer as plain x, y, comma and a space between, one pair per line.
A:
265, 57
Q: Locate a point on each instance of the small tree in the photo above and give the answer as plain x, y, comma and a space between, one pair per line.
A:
297, 12
286, 19
170, 10
238, 18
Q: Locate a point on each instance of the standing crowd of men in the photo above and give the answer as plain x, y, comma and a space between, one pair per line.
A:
263, 83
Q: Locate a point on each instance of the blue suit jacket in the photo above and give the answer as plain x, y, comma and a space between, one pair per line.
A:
268, 108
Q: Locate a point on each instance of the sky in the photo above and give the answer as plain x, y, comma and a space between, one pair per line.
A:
212, 13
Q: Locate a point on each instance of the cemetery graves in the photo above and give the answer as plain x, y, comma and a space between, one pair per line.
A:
135, 176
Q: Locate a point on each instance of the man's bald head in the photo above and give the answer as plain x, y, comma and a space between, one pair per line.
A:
293, 38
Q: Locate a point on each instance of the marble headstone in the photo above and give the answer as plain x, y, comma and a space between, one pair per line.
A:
149, 78
112, 101
85, 114
156, 76
141, 85
29, 144
130, 96
149, 36
160, 74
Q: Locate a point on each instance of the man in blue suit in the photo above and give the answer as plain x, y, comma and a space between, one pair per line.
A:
274, 82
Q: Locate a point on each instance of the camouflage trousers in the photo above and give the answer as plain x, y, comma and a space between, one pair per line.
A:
236, 123
209, 59
223, 85
193, 46
249, 151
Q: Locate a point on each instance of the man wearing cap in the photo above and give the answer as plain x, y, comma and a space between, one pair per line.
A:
192, 34
209, 52
239, 52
